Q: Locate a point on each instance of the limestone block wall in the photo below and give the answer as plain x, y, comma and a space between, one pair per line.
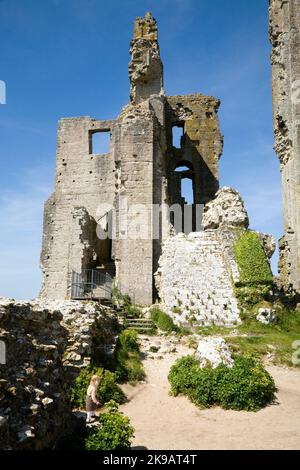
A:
285, 59
135, 157
83, 179
194, 282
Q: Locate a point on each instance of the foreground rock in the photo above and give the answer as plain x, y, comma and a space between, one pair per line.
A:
213, 352
45, 345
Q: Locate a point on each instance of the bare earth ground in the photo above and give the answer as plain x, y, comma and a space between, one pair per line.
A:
169, 423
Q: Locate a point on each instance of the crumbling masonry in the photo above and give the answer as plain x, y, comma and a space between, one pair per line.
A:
285, 58
140, 166
189, 268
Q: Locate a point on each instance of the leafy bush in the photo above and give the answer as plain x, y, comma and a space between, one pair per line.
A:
162, 320
107, 390
127, 357
114, 433
132, 311
128, 340
246, 386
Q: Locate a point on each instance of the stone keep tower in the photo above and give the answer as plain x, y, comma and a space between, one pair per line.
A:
140, 169
285, 39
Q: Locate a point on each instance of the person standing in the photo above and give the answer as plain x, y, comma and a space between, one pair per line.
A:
91, 400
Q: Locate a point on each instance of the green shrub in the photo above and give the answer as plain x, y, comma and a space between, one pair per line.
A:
245, 386
128, 367
107, 390
182, 375
153, 349
132, 311
162, 320
114, 433
128, 341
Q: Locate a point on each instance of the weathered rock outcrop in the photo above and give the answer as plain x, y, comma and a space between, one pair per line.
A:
45, 345
225, 211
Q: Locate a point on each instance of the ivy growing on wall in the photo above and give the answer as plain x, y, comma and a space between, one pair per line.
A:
256, 276
252, 261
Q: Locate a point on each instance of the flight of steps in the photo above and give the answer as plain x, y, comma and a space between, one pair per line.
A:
139, 324
128, 321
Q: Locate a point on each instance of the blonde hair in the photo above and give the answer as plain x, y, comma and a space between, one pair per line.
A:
95, 380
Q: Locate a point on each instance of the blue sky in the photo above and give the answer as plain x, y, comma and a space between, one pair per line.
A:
69, 58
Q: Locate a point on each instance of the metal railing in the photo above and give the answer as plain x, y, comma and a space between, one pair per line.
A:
91, 284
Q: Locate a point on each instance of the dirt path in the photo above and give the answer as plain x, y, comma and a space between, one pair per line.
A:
164, 422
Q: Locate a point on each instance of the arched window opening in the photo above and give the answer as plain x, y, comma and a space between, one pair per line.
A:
180, 169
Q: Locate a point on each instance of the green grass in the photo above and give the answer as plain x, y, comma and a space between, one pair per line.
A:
254, 338
262, 339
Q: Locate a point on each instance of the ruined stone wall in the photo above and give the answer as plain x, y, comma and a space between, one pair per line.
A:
47, 344
34, 404
202, 143
83, 179
145, 67
134, 252
285, 58
194, 282
197, 272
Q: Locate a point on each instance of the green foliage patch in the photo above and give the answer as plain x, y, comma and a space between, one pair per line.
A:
162, 320
107, 390
128, 365
245, 386
256, 277
114, 433
253, 264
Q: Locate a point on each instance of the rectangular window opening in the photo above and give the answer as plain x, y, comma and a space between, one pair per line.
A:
177, 135
100, 142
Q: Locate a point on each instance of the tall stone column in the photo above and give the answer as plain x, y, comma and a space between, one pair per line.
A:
285, 59
145, 67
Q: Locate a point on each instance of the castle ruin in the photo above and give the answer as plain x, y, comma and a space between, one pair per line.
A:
143, 167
